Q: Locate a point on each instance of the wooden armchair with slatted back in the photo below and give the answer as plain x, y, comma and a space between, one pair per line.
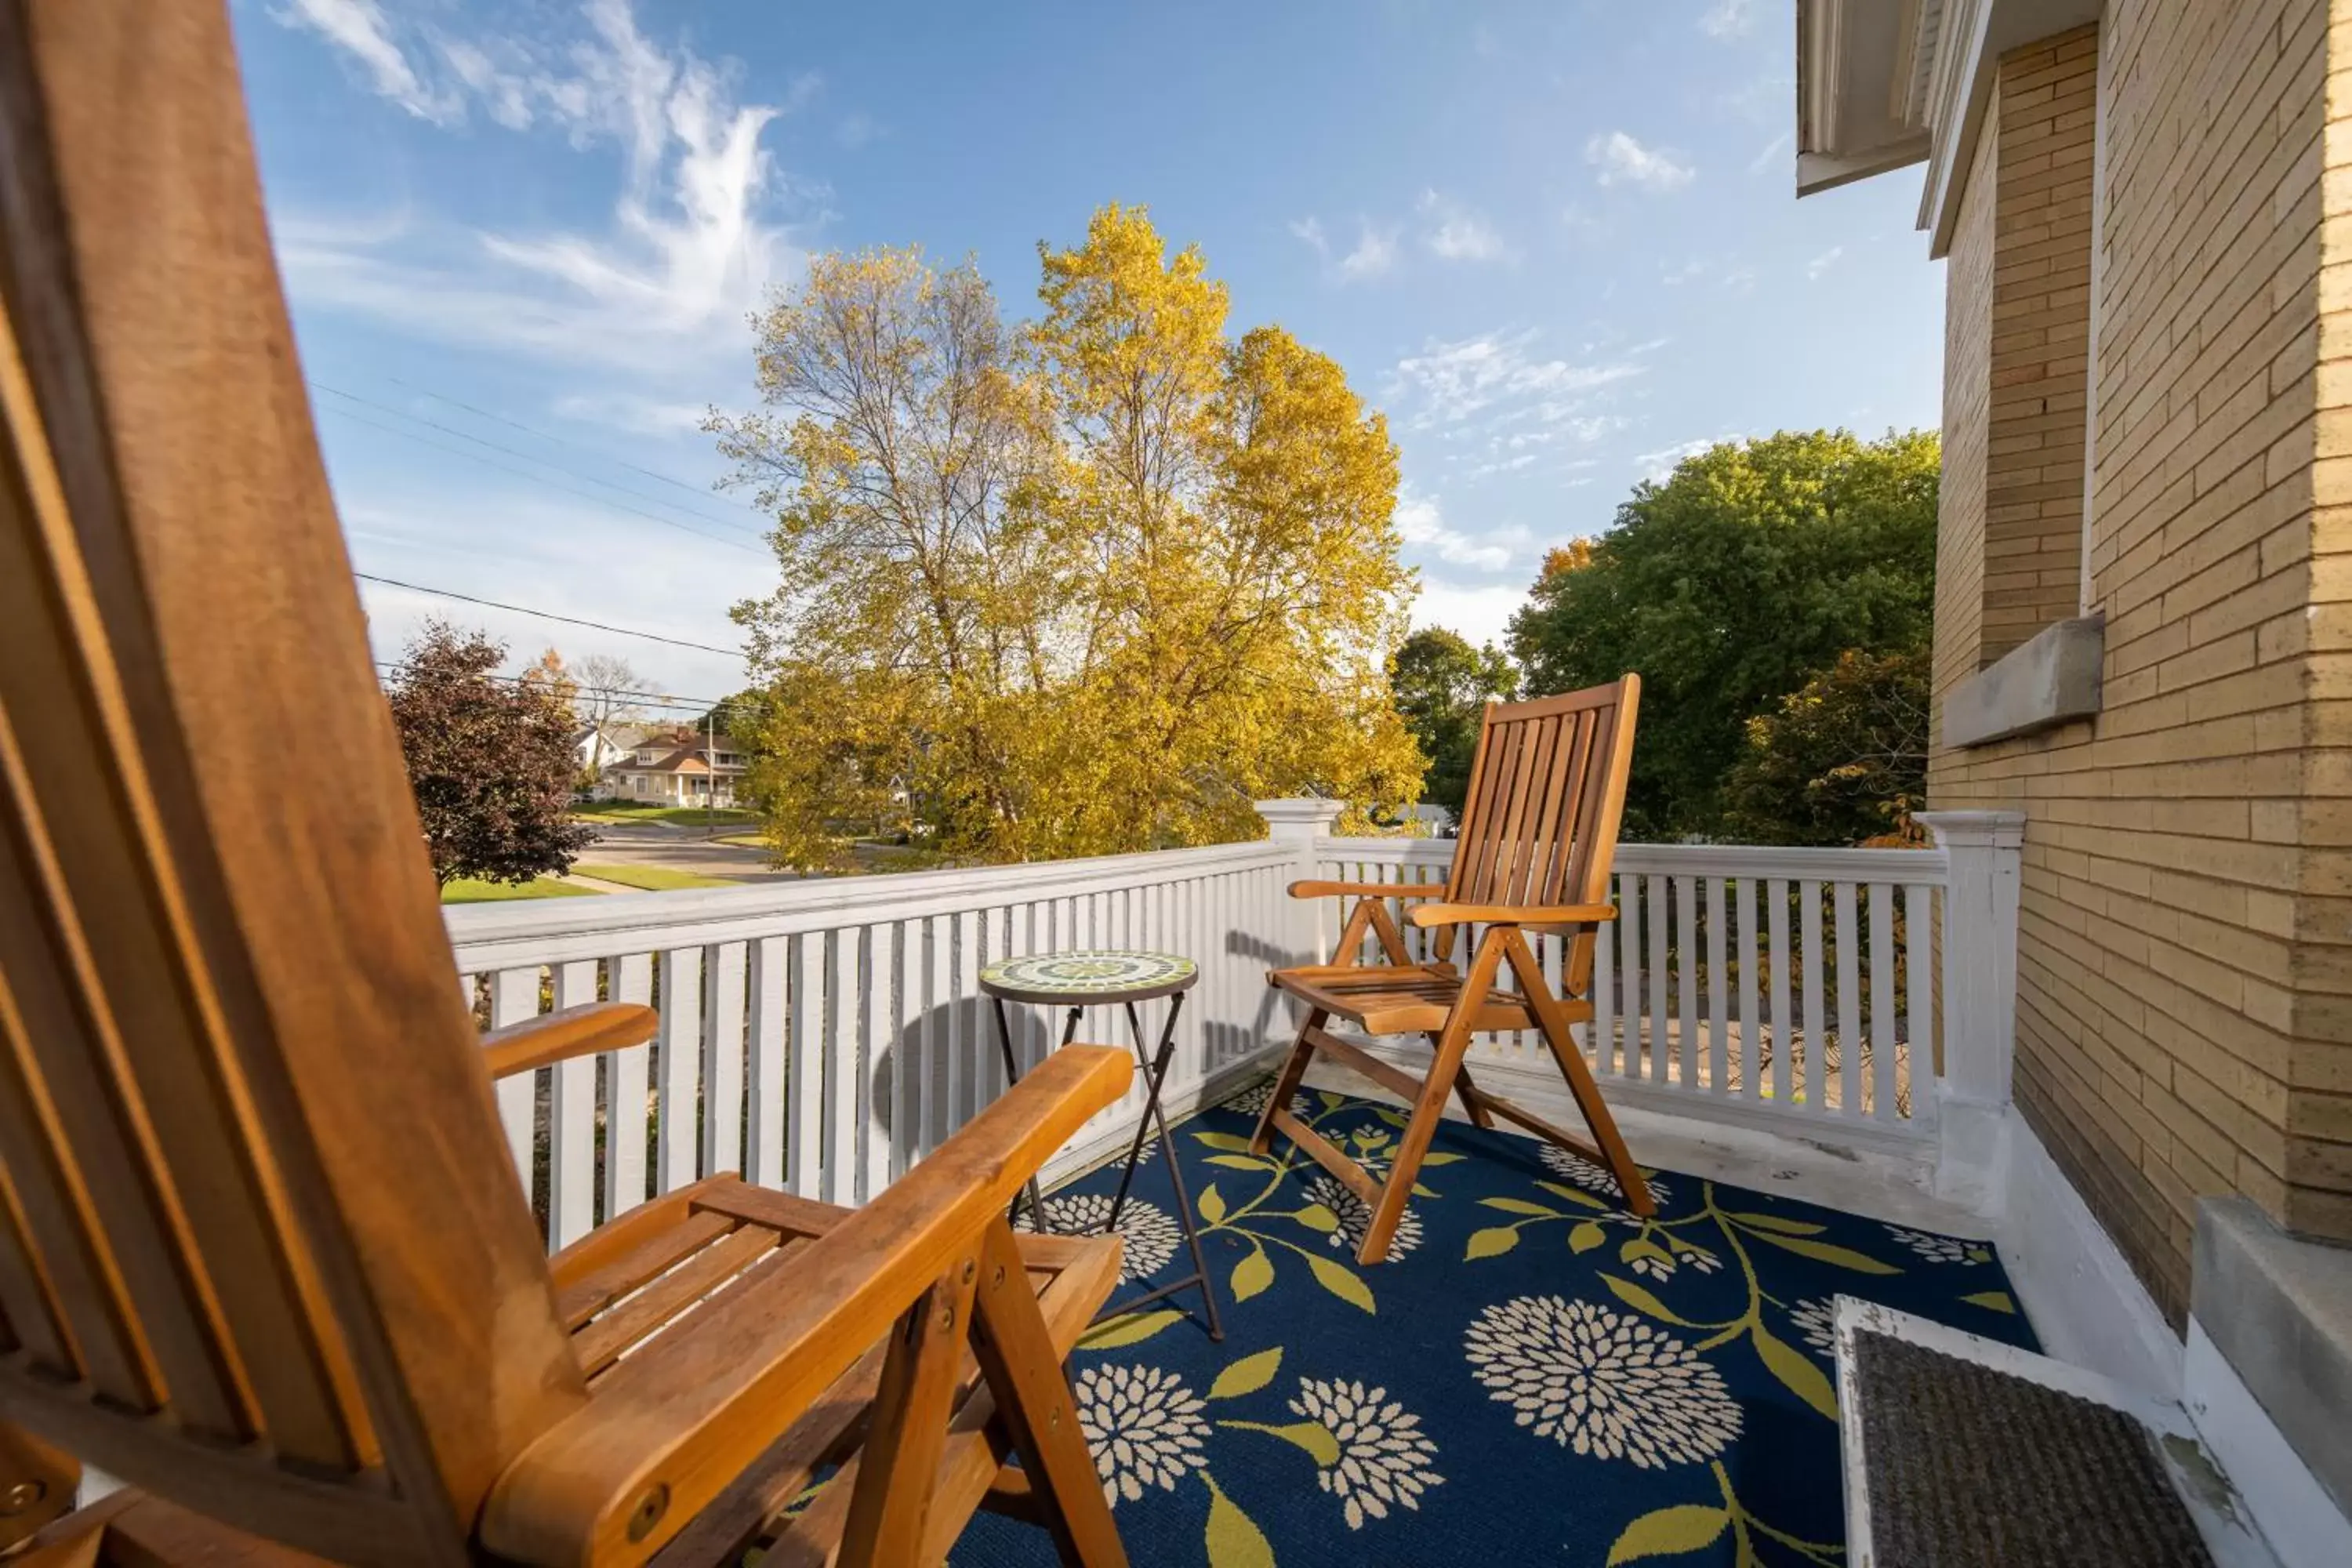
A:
263, 1251
1538, 833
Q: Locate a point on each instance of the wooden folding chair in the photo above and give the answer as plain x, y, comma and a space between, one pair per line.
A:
263, 1251
1539, 832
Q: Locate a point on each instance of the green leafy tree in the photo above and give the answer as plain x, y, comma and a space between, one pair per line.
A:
1842, 760
1754, 566
1443, 686
490, 761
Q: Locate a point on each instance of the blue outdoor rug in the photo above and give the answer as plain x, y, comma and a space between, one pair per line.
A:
1532, 1376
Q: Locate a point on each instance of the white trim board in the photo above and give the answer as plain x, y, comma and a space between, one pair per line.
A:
2295, 1514
2081, 1297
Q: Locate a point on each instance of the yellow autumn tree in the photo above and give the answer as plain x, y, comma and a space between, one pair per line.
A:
1088, 585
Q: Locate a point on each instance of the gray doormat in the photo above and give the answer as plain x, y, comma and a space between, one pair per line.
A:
1969, 1467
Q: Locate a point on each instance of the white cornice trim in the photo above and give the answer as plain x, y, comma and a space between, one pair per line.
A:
1975, 35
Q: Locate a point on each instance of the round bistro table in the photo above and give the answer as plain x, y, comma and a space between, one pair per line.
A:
1094, 978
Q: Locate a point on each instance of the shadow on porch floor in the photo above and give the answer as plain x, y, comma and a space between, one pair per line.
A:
1532, 1376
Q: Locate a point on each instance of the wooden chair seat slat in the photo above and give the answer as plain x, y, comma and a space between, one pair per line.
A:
601, 1342
663, 1249
1538, 833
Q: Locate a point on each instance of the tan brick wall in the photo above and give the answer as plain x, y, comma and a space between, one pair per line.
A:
2181, 1004
1968, 423
2045, 108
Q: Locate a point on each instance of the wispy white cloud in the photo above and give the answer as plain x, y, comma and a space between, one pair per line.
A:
1422, 524
1583, 228
360, 30
1458, 233
1656, 466
1728, 19
1824, 262
1447, 383
1770, 153
1622, 160
690, 251
629, 411
1373, 256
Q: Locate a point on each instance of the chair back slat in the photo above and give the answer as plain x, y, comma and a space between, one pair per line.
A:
1546, 791
262, 1248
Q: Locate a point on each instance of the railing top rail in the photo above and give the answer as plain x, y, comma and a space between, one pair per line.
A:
495, 935
1898, 865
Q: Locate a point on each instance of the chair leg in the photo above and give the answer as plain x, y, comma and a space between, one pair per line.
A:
1551, 1021
1472, 1106
1033, 1399
898, 1466
1286, 1081
1429, 1110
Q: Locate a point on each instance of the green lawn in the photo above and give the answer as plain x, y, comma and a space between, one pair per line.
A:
652, 879
467, 890
684, 816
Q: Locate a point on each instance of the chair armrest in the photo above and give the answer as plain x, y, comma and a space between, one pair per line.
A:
1511, 914
558, 1037
676, 1423
1367, 889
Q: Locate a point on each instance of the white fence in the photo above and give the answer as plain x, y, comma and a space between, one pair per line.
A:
822, 1035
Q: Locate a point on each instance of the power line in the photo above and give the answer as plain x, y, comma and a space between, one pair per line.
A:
625, 698
547, 616
531, 457
541, 479
558, 441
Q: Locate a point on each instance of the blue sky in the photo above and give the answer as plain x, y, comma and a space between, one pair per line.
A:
1555, 241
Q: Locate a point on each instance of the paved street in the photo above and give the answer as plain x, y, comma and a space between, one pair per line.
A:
680, 850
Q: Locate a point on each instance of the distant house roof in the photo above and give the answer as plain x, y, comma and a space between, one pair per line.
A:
683, 752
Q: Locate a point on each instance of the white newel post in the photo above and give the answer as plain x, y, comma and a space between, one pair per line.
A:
1980, 990
1303, 824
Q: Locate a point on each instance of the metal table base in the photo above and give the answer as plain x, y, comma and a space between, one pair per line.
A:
1154, 1065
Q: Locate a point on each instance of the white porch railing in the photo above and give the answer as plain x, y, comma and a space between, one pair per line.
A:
822, 1035
1774, 985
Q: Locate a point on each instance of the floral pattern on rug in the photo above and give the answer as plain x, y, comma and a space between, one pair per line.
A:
1532, 1375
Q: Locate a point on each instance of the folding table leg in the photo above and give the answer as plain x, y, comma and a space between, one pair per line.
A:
1155, 1074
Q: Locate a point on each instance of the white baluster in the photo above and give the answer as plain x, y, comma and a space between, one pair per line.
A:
1849, 956
844, 992
1752, 954
681, 1059
572, 1122
1718, 1011
805, 1148
770, 1026
1686, 945
1661, 1025
1882, 1001
514, 997
722, 1057
628, 1083
1815, 1077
